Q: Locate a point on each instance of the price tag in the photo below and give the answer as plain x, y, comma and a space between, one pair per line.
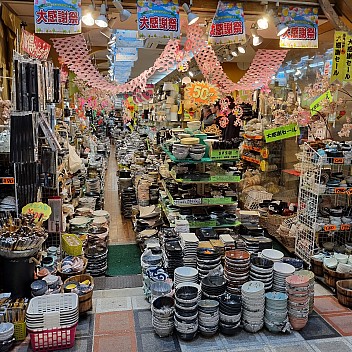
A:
338, 160
345, 227
340, 190
349, 192
8, 180
330, 228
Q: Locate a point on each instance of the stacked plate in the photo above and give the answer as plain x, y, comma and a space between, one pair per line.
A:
186, 312
213, 286
281, 272
298, 300
100, 213
83, 211
189, 243
207, 260
79, 224
275, 317
88, 202
93, 185
262, 270
230, 313
185, 274
208, 317
272, 254
253, 300
252, 244
97, 262
163, 309
237, 266
310, 276
100, 221
227, 240
172, 255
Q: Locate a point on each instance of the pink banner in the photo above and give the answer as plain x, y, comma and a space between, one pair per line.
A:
34, 46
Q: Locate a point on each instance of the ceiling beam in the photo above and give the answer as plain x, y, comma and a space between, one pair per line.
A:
332, 15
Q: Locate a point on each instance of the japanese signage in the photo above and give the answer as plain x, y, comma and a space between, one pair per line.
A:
34, 46
302, 27
316, 105
339, 56
282, 132
158, 18
127, 54
223, 154
128, 38
347, 73
39, 210
200, 93
57, 16
228, 24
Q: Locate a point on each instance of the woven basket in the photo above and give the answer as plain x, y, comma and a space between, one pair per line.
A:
288, 241
65, 276
288, 196
273, 222
254, 198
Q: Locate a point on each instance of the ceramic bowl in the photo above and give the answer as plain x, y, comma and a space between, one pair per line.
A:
193, 125
197, 156
330, 263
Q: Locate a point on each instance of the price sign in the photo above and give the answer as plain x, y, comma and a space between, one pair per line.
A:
340, 190
201, 93
223, 154
349, 192
39, 210
8, 180
330, 228
345, 227
338, 161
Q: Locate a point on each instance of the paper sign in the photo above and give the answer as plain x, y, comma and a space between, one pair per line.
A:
57, 16
339, 56
282, 132
330, 228
338, 161
347, 75
200, 93
34, 46
126, 54
40, 211
222, 154
302, 26
7, 180
316, 105
158, 18
228, 24
345, 227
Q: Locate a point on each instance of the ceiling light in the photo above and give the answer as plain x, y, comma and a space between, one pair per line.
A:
192, 18
234, 52
102, 21
191, 74
281, 29
263, 23
186, 80
88, 18
124, 14
242, 48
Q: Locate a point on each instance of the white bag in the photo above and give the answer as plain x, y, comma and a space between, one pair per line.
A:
74, 161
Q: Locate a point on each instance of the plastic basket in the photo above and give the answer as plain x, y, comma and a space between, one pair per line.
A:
254, 198
20, 332
53, 339
71, 244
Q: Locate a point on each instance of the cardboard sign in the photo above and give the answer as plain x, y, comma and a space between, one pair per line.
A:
40, 211
201, 93
316, 105
34, 46
282, 132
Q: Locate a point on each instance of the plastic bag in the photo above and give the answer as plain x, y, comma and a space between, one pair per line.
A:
74, 161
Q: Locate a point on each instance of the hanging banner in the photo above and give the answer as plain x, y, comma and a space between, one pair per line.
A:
282, 132
158, 18
57, 16
200, 93
34, 46
126, 54
339, 56
317, 103
302, 27
127, 38
228, 24
347, 76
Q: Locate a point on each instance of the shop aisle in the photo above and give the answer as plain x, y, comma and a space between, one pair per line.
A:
121, 231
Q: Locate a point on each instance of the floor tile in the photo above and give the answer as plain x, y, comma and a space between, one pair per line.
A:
203, 344
318, 328
125, 342
300, 347
328, 305
82, 344
85, 327
148, 341
143, 320
241, 339
140, 302
329, 345
269, 338
113, 304
114, 323
245, 349
341, 322
320, 290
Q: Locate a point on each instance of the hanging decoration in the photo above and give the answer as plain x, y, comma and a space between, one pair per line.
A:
228, 24
302, 26
224, 121
201, 93
57, 16
182, 66
158, 18
342, 57
34, 46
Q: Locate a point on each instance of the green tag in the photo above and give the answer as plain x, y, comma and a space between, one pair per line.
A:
282, 132
316, 105
223, 154
225, 178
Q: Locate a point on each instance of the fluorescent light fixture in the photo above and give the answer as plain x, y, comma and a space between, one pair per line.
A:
263, 23
88, 17
191, 17
124, 14
102, 21
242, 48
291, 70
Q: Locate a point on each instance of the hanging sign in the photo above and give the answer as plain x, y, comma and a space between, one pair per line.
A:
57, 16
126, 54
339, 56
302, 27
282, 132
316, 105
347, 73
158, 18
127, 38
201, 93
34, 46
39, 210
228, 24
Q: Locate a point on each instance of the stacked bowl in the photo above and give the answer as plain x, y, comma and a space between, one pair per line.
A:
185, 274
230, 313
262, 270
197, 151
237, 267
150, 275
298, 300
272, 254
213, 286
189, 243
253, 300
172, 255
208, 317
275, 317
159, 289
163, 309
281, 272
180, 151
207, 260
311, 277
186, 312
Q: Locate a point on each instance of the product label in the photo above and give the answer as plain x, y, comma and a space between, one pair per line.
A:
223, 154
330, 228
345, 227
7, 180
338, 161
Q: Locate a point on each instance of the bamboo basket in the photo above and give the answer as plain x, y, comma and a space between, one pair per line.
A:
331, 276
344, 292
85, 301
65, 276
273, 222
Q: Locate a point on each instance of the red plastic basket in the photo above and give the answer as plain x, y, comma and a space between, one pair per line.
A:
53, 339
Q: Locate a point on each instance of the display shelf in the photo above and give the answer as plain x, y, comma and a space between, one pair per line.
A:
249, 147
211, 180
292, 172
235, 224
251, 160
252, 137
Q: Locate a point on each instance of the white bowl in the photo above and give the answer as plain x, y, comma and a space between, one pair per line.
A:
341, 258
272, 254
193, 125
331, 262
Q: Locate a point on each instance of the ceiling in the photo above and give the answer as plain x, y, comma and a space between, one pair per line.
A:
206, 9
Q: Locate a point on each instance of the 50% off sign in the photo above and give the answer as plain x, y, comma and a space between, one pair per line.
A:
201, 93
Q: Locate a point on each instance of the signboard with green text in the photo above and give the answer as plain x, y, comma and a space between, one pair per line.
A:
282, 132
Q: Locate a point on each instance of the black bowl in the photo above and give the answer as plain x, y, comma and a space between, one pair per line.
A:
262, 262
187, 336
230, 300
186, 293
213, 282
164, 301
186, 313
